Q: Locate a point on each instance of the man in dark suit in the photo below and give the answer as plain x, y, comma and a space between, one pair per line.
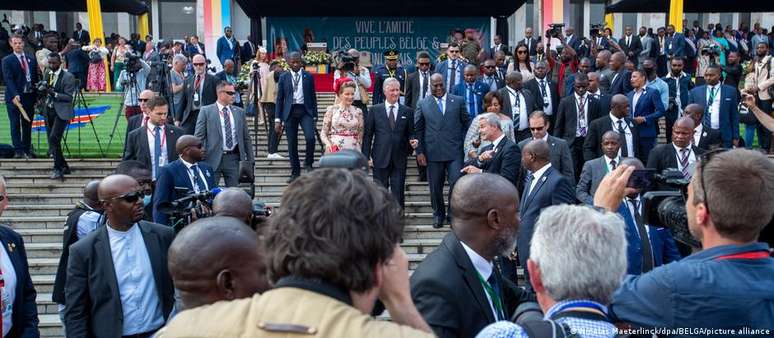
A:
81, 35
584, 66
117, 278
472, 91
451, 69
617, 120
154, 144
227, 47
546, 92
222, 127
560, 151
499, 46
389, 127
194, 47
491, 78
631, 44
439, 126
81, 221
248, 50
59, 90
544, 187
460, 287
646, 109
20, 74
518, 103
681, 154
297, 105
621, 81
594, 91
199, 91
501, 157
595, 170
227, 75
188, 172
530, 41
21, 306
703, 138
77, 61
680, 85
418, 83
574, 115
721, 111
571, 39
675, 43
139, 120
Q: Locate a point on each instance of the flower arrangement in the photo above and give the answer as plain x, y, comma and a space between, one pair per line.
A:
317, 58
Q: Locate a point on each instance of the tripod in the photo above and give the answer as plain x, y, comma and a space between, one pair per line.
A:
80, 102
132, 91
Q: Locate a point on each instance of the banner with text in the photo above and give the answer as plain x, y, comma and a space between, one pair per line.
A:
408, 35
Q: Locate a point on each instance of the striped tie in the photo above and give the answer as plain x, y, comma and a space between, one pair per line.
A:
684, 154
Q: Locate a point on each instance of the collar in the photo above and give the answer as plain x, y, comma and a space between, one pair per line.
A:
483, 266
115, 232
627, 199
711, 87
723, 250
539, 173
641, 91
545, 138
597, 93
617, 159
186, 164
151, 126
678, 149
442, 98
56, 73
19, 55
539, 79
497, 141
578, 98
615, 119
299, 72
699, 128
316, 285
387, 105
470, 84
220, 106
654, 81
511, 91
567, 304
670, 76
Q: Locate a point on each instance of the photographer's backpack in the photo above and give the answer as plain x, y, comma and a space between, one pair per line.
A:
551, 329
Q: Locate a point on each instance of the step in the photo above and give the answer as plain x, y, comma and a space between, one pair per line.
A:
50, 326
18, 210
41, 235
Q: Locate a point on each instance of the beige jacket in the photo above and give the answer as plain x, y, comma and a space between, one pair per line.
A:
763, 77
284, 312
270, 91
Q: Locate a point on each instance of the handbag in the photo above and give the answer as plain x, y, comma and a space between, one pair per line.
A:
95, 56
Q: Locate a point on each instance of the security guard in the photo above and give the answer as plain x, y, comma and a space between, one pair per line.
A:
390, 69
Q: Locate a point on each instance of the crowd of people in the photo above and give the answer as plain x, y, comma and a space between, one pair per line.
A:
537, 147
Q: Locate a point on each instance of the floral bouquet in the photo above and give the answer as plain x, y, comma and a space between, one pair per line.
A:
317, 58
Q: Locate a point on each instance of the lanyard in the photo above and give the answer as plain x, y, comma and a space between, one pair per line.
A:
161, 131
296, 80
758, 254
494, 295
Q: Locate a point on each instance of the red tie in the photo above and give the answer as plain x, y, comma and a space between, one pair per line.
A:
23, 61
196, 83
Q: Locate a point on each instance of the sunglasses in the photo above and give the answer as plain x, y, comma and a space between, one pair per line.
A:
2, 197
704, 160
130, 197
199, 64
489, 67
143, 100
454, 51
229, 92
537, 128
424, 63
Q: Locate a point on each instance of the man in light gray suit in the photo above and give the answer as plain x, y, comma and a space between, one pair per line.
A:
596, 169
439, 126
560, 151
60, 88
223, 130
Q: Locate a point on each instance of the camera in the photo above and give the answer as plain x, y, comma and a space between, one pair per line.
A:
665, 208
710, 50
348, 62
133, 64
555, 30
260, 212
183, 210
594, 32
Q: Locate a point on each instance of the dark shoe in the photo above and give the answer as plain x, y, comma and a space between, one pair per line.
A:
66, 170
308, 168
292, 178
437, 222
31, 155
57, 175
18, 155
26, 156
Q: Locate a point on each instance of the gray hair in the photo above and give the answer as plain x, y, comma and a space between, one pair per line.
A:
179, 58
491, 119
581, 252
391, 81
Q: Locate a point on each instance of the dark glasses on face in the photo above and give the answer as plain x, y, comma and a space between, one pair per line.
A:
521, 52
130, 197
489, 67
229, 92
198, 64
537, 128
142, 100
424, 63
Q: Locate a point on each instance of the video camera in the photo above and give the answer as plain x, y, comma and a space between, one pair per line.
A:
184, 210
666, 208
348, 62
594, 32
555, 30
132, 63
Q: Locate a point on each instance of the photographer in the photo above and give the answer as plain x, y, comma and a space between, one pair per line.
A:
729, 283
132, 81
58, 87
177, 80
350, 67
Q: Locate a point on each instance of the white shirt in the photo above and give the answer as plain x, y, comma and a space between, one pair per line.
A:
628, 135
610, 165
298, 86
636, 98
223, 126
163, 160
136, 284
394, 107
87, 223
714, 107
9, 291
191, 176
518, 105
691, 158
496, 142
363, 79
21, 56
484, 268
584, 122
536, 177
424, 84
548, 109
697, 134
442, 103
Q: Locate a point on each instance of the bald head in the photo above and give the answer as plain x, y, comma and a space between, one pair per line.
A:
91, 194
696, 112
114, 186
685, 122
619, 106
216, 258
186, 141
539, 149
611, 135
634, 162
233, 202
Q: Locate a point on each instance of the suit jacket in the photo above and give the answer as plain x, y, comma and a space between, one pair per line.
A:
77, 61
208, 96
649, 106
635, 47
224, 51
560, 155
503, 48
84, 37
506, 161
208, 129
137, 147
93, 301
443, 67
593, 172
709, 139
552, 188
497, 81
15, 79
440, 134
65, 87
247, 51
729, 111
25, 310
662, 244
414, 89
69, 237
447, 292
675, 45
621, 84
685, 85
530, 100
479, 89
534, 86
383, 144
664, 156
592, 146
574, 41
567, 117
285, 95
175, 175
604, 103
530, 43
191, 50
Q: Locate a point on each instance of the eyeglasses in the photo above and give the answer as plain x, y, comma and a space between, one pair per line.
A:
704, 160
453, 51
2, 197
199, 64
228, 92
143, 100
130, 197
424, 63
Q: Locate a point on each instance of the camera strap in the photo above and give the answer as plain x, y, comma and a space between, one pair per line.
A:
757, 254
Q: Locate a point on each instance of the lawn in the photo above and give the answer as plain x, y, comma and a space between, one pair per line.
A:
82, 141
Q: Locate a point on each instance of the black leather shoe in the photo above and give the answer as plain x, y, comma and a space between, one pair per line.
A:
31, 155
308, 168
66, 171
18, 155
292, 178
437, 222
57, 175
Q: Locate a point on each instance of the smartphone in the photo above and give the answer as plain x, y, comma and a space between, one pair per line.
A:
641, 179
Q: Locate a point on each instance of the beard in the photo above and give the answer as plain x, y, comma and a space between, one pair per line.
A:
505, 243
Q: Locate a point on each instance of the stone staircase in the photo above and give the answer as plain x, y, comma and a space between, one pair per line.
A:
38, 208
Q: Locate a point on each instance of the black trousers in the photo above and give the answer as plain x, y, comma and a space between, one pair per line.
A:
56, 127
21, 129
298, 116
274, 139
393, 177
437, 173
189, 125
576, 152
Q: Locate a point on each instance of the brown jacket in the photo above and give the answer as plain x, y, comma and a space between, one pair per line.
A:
270, 93
282, 312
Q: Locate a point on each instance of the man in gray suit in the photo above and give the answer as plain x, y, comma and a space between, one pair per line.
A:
60, 87
596, 169
223, 130
560, 151
439, 126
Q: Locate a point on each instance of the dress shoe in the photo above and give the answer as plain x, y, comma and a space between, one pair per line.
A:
292, 178
437, 222
308, 168
57, 175
18, 155
66, 171
31, 154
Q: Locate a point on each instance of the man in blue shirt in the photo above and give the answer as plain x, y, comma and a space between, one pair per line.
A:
730, 283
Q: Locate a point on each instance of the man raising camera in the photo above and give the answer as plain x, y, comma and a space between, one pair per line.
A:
350, 67
730, 283
58, 87
132, 81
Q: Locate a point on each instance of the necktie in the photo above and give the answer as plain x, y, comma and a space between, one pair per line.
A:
424, 85
391, 117
628, 41
528, 185
647, 251
613, 164
677, 96
544, 91
440, 105
471, 100
624, 144
296, 80
710, 100
582, 117
156, 150
227, 127
452, 76
684, 155
25, 66
516, 110
199, 184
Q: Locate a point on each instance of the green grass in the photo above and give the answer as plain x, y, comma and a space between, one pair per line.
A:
87, 147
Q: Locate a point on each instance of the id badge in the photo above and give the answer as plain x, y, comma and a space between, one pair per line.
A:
402, 100
196, 97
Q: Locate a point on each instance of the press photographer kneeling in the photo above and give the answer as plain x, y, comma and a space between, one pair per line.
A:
729, 284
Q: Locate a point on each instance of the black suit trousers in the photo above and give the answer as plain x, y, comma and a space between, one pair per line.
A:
576, 152
189, 125
437, 173
394, 178
298, 116
274, 139
56, 127
21, 129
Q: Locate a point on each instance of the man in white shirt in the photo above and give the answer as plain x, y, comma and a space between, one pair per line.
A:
703, 138
153, 144
681, 154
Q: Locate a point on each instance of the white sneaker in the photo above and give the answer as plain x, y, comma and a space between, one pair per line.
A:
275, 156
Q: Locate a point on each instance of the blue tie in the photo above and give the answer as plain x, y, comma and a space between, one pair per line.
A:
156, 150
200, 185
440, 105
471, 101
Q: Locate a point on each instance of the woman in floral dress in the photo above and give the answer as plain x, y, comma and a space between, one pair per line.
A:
95, 82
343, 123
